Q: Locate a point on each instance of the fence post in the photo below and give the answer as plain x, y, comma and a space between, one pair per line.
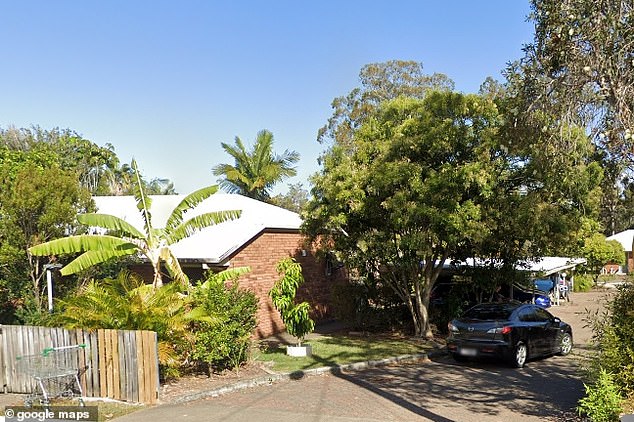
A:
3, 376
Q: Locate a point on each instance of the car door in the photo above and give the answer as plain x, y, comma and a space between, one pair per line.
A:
550, 332
526, 328
544, 335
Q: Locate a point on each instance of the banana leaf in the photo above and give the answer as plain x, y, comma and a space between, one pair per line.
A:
110, 222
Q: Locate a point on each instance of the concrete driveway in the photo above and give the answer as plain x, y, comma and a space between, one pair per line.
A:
440, 390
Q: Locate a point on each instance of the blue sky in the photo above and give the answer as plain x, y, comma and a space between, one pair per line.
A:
166, 82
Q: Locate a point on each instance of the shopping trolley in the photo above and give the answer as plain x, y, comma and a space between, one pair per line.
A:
56, 371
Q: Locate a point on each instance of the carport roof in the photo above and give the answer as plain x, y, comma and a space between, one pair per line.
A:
543, 266
214, 244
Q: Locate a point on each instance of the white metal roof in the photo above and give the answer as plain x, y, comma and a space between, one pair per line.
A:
552, 264
625, 238
213, 244
543, 266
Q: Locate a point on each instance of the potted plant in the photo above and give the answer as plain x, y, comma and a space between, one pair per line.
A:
295, 316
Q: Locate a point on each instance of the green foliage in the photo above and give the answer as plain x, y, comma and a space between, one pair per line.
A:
598, 252
294, 200
127, 240
602, 402
97, 168
255, 172
579, 67
223, 342
611, 369
295, 316
578, 70
368, 308
127, 303
39, 202
379, 83
583, 283
412, 192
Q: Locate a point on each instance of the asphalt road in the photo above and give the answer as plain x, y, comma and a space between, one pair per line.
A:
440, 390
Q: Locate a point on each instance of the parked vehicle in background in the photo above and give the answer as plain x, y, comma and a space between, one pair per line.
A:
511, 331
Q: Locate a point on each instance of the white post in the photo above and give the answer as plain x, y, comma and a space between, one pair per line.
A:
49, 288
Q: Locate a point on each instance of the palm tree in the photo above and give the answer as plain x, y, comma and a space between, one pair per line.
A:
255, 172
153, 243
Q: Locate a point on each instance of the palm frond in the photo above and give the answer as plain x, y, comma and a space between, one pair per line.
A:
91, 258
143, 202
199, 222
81, 243
200, 314
189, 202
230, 274
110, 222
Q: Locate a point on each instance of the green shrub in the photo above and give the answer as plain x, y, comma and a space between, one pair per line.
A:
295, 315
369, 309
127, 303
452, 307
583, 283
602, 402
611, 369
223, 341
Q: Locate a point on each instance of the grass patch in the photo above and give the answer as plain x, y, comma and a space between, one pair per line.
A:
111, 410
339, 350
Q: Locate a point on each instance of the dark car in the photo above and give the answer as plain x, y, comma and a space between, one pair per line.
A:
511, 331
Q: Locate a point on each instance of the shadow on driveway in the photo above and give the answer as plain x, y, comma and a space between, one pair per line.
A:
547, 388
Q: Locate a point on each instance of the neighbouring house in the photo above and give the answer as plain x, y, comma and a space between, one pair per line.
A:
625, 238
259, 239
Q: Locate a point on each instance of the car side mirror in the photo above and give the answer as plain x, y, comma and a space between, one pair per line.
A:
556, 320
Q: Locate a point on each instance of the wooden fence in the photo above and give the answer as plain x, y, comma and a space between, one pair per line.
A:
117, 364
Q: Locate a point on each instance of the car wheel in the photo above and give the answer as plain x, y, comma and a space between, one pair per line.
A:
458, 358
520, 353
565, 344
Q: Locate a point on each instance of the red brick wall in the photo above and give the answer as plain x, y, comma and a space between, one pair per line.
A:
262, 255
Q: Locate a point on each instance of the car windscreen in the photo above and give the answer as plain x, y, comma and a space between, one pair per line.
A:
488, 313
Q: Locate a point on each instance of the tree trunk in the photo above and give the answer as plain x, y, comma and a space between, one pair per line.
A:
158, 279
423, 290
415, 318
35, 275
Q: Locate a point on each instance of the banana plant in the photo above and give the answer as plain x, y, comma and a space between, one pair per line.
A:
125, 239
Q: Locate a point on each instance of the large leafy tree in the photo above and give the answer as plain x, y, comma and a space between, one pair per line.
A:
379, 82
580, 66
124, 239
598, 251
97, 167
412, 193
39, 202
580, 69
294, 200
255, 171
92, 163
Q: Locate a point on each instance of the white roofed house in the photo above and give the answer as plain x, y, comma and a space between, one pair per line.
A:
259, 239
625, 238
